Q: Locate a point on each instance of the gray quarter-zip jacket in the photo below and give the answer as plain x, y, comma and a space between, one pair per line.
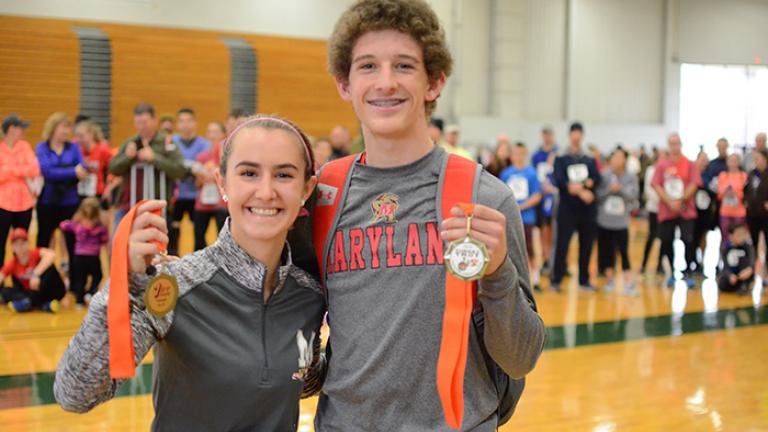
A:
225, 360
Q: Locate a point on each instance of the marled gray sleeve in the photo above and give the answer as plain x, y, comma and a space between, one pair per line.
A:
82, 378
514, 332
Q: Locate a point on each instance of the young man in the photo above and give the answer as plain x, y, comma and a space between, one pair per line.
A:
148, 146
36, 282
676, 180
384, 280
576, 177
522, 179
190, 145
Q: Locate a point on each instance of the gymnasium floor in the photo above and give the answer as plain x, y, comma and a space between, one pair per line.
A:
669, 359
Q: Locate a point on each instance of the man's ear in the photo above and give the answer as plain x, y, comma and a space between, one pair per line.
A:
435, 88
342, 86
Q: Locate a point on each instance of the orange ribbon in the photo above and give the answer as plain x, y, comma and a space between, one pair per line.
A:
459, 302
121, 354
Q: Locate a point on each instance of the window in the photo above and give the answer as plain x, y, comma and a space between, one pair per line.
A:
722, 101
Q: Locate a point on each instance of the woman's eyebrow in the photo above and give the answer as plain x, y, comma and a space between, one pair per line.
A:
258, 165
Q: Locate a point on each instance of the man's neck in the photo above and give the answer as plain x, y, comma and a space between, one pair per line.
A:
187, 138
575, 148
393, 151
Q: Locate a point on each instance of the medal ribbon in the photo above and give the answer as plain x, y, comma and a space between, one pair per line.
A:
459, 295
121, 354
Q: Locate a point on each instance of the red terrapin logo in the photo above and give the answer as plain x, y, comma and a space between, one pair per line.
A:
384, 208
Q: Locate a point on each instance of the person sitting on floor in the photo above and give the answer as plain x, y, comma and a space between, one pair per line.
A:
36, 282
738, 256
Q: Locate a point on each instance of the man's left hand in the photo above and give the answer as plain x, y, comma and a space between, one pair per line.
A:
489, 226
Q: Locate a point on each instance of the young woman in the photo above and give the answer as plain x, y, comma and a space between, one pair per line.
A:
730, 192
62, 166
616, 199
238, 350
209, 203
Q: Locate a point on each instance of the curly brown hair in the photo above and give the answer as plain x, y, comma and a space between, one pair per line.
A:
412, 17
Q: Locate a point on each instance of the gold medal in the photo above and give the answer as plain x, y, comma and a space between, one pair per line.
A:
467, 259
161, 295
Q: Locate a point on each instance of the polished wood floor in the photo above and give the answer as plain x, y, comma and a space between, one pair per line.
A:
668, 359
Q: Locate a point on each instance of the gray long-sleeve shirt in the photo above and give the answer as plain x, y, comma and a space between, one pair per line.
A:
386, 288
614, 208
224, 359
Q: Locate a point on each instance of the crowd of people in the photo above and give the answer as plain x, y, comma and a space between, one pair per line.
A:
76, 184
580, 191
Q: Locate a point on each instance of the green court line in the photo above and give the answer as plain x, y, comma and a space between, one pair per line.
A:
26, 390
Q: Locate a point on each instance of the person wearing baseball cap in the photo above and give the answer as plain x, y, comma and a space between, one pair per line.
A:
36, 282
18, 165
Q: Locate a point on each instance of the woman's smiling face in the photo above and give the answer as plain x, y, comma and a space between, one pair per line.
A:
265, 183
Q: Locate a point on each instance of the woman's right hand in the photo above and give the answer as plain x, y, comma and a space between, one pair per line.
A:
149, 229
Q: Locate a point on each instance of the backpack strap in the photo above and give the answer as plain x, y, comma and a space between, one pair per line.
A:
331, 193
457, 184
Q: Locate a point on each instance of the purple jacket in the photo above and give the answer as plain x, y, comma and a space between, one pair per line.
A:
88, 240
60, 186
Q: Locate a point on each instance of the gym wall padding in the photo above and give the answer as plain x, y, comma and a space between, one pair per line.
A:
170, 68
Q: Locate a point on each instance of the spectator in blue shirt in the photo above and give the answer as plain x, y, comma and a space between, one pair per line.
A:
523, 181
62, 167
190, 145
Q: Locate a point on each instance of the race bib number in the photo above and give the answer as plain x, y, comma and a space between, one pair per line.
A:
87, 186
703, 200
577, 173
543, 169
714, 184
209, 194
615, 206
519, 186
674, 187
733, 256
549, 202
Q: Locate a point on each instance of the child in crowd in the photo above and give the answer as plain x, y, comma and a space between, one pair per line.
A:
738, 256
616, 198
730, 192
523, 180
36, 282
90, 236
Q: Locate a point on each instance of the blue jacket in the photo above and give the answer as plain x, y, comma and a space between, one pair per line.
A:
187, 187
567, 201
60, 187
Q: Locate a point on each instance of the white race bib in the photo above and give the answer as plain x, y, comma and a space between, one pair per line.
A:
577, 173
209, 194
703, 200
614, 205
543, 169
733, 256
714, 184
674, 187
519, 186
87, 186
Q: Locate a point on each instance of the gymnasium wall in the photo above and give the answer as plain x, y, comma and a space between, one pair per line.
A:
170, 68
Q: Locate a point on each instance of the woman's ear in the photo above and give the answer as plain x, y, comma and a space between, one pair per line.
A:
309, 187
220, 182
